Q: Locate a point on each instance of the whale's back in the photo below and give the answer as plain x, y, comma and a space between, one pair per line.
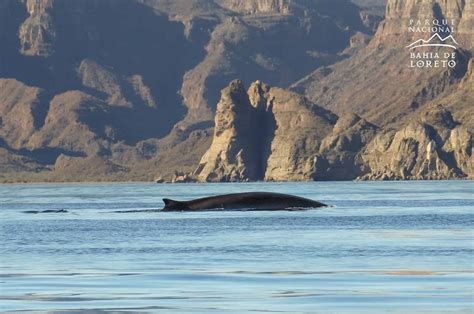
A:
243, 201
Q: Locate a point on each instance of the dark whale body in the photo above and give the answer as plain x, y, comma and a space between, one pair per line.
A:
243, 201
47, 211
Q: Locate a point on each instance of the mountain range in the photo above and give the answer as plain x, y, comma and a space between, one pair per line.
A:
230, 90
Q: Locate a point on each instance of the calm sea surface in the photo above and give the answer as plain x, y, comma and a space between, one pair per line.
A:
397, 247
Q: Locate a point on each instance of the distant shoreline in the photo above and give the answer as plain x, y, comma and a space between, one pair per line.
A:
204, 183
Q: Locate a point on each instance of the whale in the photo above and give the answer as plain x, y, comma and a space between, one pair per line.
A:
251, 201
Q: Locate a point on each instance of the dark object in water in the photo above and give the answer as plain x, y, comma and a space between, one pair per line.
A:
243, 201
136, 211
47, 211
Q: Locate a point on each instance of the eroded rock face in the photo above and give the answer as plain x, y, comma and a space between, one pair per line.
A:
459, 145
38, 34
257, 6
233, 153
433, 147
121, 91
269, 134
341, 149
20, 112
97, 77
299, 129
76, 123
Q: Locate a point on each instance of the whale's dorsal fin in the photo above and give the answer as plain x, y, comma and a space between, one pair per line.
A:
172, 204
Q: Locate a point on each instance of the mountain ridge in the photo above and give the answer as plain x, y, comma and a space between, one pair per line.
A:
88, 95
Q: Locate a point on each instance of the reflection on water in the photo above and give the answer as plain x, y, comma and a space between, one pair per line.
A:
401, 247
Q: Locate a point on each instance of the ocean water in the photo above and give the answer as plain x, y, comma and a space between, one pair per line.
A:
382, 247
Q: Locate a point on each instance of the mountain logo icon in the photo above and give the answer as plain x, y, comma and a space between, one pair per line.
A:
435, 41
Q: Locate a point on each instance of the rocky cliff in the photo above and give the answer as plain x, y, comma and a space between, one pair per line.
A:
434, 146
233, 155
341, 149
275, 135
299, 128
252, 139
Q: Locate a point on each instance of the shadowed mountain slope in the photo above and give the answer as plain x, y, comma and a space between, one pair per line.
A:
119, 84
131, 90
379, 82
